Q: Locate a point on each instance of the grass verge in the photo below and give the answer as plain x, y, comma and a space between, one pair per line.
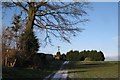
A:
27, 74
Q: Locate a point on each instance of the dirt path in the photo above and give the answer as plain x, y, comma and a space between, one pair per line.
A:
62, 73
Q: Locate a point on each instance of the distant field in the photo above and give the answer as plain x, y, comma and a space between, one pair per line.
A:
96, 69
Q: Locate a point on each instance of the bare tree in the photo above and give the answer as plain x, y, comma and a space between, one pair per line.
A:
55, 18
7, 37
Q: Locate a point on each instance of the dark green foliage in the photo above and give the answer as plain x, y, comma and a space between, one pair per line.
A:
69, 55
80, 56
29, 42
73, 55
101, 56
63, 57
28, 46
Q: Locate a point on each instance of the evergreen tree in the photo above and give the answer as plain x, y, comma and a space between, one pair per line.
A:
28, 45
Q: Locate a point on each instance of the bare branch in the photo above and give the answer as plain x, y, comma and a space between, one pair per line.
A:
40, 4
58, 17
50, 6
20, 5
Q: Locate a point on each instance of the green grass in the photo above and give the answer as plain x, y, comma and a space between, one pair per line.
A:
76, 69
30, 73
96, 69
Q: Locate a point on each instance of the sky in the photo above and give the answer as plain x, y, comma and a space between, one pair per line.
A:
101, 32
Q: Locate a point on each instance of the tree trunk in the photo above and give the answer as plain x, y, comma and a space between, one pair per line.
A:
6, 62
31, 17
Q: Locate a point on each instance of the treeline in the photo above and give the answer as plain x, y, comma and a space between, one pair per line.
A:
92, 55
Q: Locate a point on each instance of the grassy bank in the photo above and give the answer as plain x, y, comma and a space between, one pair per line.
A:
24, 73
107, 69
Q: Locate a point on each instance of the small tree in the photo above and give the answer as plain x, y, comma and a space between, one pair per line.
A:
17, 25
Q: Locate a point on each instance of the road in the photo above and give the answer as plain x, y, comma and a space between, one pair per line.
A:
62, 73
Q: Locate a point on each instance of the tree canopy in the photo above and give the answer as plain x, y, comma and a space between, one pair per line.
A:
54, 18
92, 55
